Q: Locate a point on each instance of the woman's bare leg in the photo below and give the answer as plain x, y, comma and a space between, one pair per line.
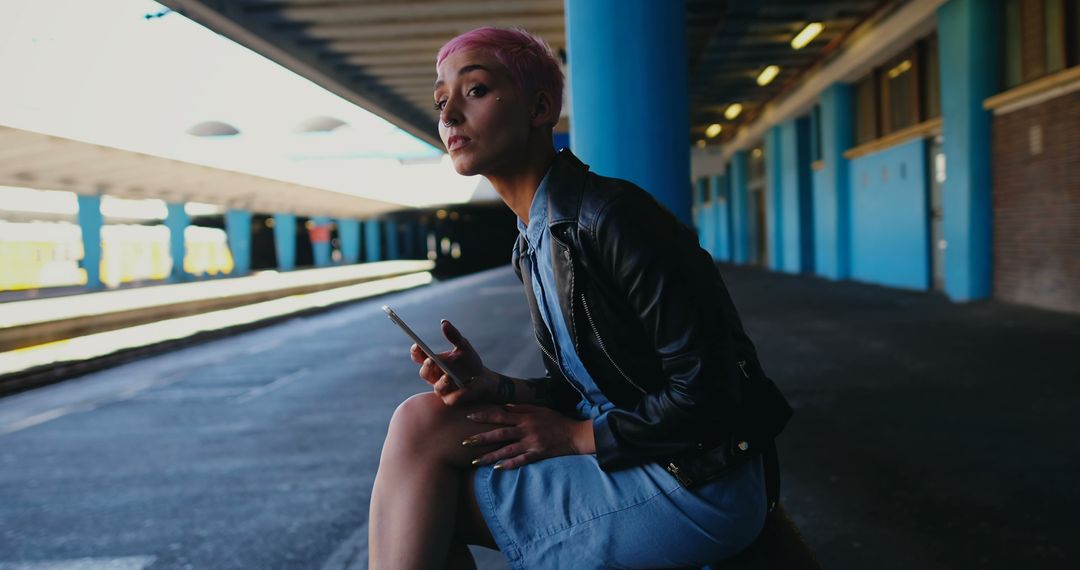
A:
419, 502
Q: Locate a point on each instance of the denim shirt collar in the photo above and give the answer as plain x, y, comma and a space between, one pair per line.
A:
538, 214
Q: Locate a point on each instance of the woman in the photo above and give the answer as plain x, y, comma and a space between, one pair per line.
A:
643, 446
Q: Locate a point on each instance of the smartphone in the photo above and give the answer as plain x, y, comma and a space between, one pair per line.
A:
423, 346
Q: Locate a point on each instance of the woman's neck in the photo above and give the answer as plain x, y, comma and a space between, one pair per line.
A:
518, 185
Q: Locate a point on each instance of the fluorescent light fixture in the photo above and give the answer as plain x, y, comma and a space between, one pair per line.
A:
767, 75
899, 69
807, 35
713, 130
733, 111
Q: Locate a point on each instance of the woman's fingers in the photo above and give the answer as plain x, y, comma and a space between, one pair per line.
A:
519, 460
493, 436
503, 453
493, 417
416, 354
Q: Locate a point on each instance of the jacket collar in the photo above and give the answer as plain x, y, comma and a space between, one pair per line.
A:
565, 188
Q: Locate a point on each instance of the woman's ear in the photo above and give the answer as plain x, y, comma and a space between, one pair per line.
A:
543, 109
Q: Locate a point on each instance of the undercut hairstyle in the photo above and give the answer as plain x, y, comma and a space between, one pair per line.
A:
528, 58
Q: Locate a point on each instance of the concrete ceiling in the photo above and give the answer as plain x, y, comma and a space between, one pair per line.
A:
380, 53
54, 163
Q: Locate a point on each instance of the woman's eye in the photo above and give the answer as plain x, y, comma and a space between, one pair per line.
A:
478, 91
440, 104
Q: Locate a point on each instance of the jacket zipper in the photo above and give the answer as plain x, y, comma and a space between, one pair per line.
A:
742, 366
603, 347
559, 365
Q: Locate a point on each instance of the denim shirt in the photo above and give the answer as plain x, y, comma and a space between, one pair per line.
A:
538, 237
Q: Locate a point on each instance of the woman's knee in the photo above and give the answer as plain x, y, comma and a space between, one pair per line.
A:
418, 419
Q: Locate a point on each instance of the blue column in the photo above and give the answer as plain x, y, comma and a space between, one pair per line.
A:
391, 231
90, 222
774, 202
177, 221
794, 205
969, 39
285, 241
721, 217
238, 232
832, 194
622, 47
372, 241
740, 210
349, 234
320, 241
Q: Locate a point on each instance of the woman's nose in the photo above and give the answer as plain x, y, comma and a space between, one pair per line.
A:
450, 115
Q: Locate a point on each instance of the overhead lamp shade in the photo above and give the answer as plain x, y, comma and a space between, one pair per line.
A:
322, 124
213, 129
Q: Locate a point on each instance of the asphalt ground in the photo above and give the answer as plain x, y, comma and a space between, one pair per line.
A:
927, 434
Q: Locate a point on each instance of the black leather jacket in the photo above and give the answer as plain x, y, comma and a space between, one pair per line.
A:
656, 329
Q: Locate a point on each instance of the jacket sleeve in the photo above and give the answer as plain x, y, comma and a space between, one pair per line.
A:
655, 263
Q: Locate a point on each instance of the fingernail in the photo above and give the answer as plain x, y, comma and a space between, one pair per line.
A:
475, 461
497, 466
471, 417
469, 441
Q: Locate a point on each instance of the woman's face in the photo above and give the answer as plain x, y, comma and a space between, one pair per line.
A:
483, 119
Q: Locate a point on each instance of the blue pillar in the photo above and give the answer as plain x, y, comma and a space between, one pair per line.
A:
794, 204
740, 209
320, 241
721, 217
618, 47
832, 195
391, 231
90, 222
285, 241
238, 233
372, 241
969, 39
774, 202
177, 221
349, 234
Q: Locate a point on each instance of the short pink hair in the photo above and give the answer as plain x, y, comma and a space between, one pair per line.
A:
529, 59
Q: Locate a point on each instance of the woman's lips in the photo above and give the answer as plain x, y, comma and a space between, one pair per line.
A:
456, 142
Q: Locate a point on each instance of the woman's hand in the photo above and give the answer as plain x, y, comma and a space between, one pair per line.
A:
530, 433
466, 363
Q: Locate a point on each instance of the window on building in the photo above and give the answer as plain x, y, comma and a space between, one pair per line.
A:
930, 78
1041, 37
900, 92
866, 110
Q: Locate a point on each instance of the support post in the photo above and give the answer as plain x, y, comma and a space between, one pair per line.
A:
642, 138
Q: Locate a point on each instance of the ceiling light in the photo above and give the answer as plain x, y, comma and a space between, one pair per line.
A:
807, 35
733, 111
713, 130
757, 153
900, 68
701, 143
767, 75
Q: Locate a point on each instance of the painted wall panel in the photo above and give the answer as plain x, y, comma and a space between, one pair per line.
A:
889, 216
721, 219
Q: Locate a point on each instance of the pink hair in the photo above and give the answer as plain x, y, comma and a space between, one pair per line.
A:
528, 59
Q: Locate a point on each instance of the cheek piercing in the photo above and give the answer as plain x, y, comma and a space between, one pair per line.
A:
498, 98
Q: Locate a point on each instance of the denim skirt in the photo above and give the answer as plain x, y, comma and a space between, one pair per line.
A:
565, 513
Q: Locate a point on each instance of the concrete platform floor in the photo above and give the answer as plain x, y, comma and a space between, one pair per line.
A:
927, 434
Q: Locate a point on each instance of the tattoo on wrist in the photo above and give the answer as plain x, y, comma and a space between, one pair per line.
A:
505, 389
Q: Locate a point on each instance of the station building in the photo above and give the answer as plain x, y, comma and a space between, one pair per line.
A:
939, 150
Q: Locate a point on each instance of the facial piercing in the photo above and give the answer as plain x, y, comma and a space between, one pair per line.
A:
498, 98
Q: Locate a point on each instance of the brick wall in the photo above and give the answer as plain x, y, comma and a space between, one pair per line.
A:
1036, 200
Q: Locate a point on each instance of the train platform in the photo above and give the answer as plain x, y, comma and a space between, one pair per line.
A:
926, 433
41, 337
